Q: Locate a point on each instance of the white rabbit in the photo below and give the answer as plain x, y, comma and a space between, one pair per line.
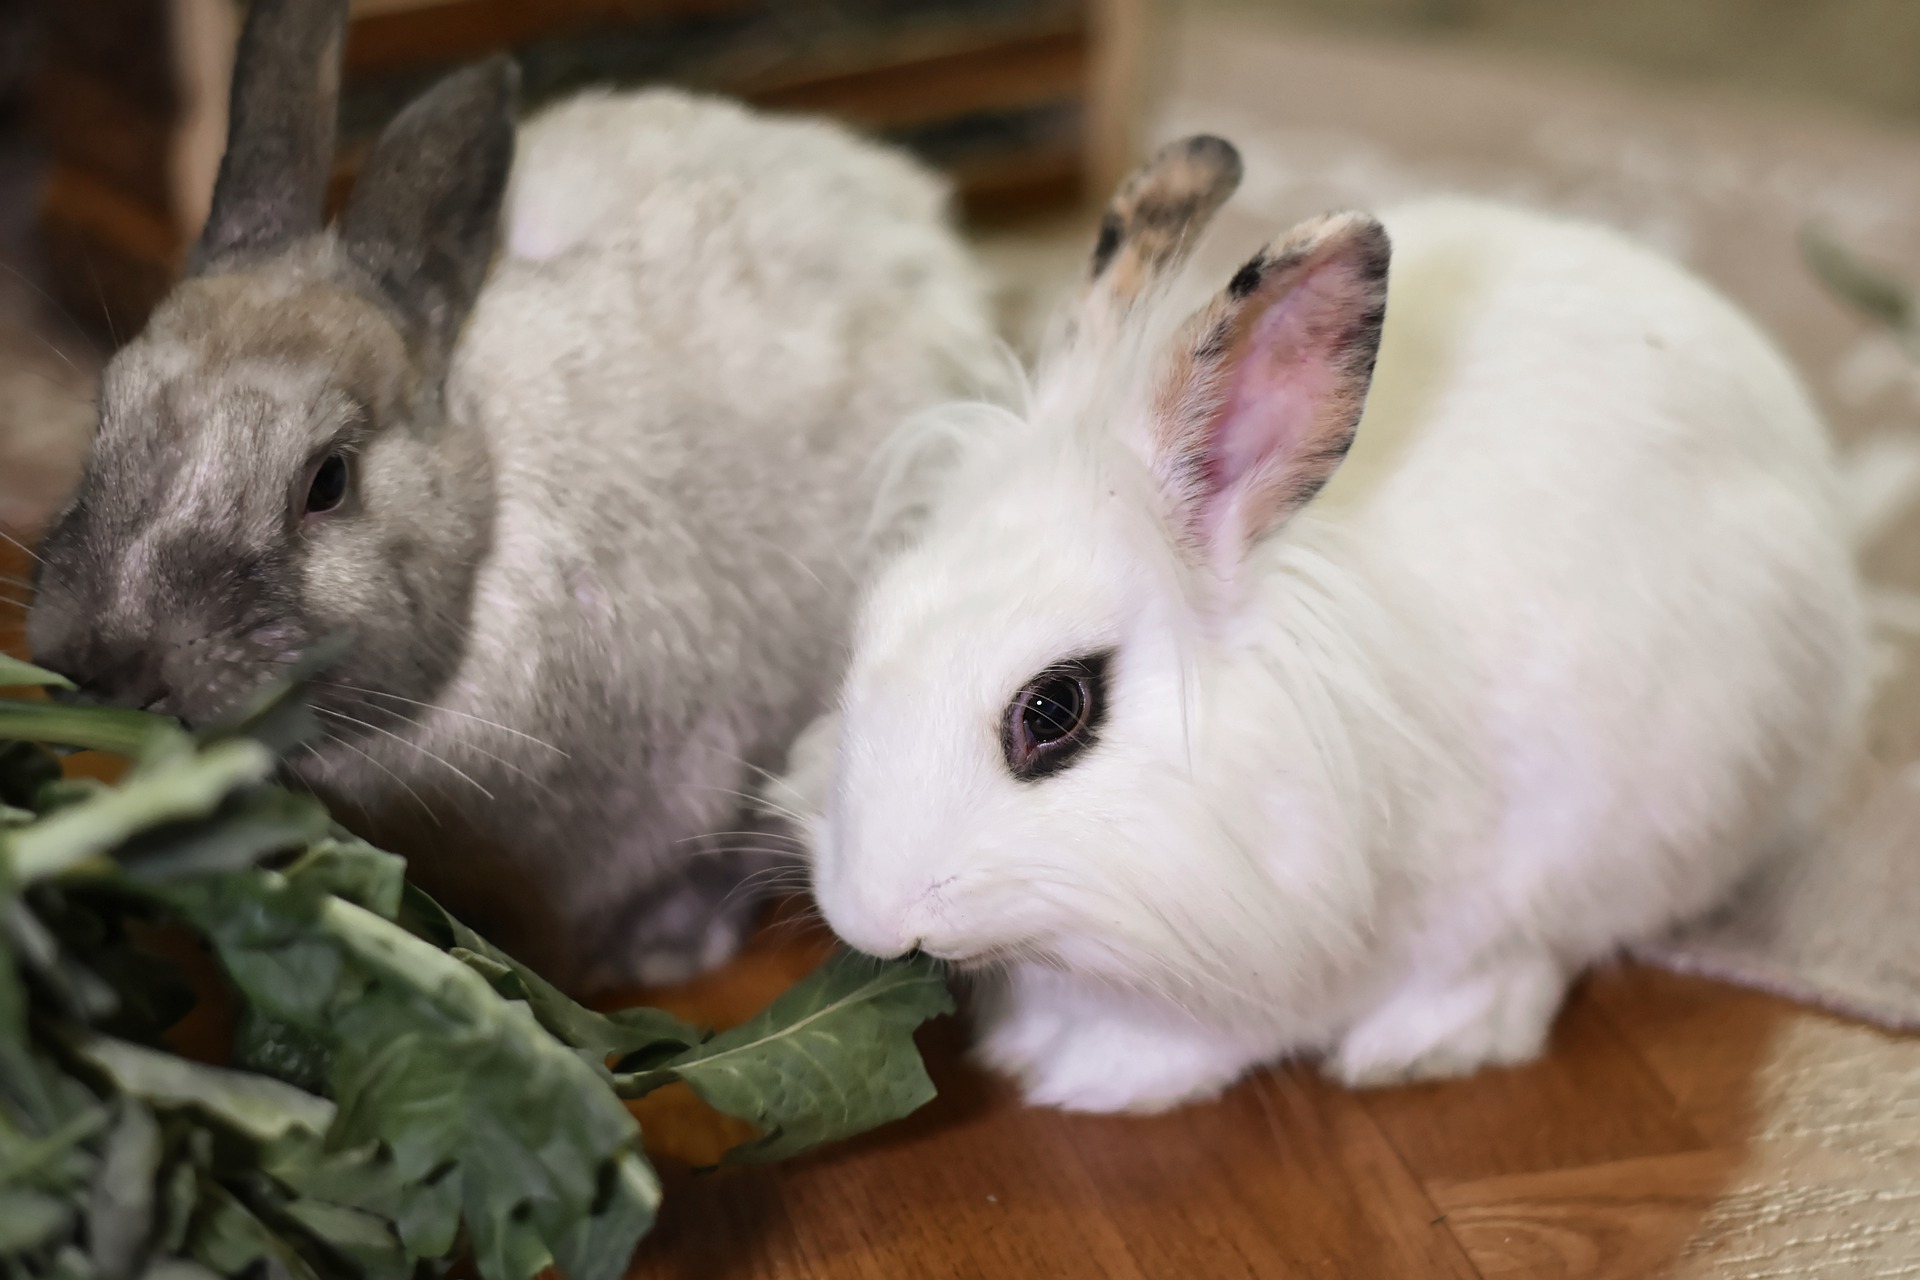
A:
1201, 761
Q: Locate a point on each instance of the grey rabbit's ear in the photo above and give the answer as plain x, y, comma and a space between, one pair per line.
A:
424, 216
286, 99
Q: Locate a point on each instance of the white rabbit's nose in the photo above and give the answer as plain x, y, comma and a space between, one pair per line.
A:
880, 942
881, 920
861, 921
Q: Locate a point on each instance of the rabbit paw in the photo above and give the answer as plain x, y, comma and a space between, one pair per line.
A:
687, 939
1495, 1016
1081, 1057
684, 928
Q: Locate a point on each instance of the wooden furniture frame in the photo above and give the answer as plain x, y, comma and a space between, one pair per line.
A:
1023, 102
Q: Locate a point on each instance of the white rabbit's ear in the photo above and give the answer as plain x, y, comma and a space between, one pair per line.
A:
1151, 225
1266, 385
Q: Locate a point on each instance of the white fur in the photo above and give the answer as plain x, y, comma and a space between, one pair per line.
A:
1569, 642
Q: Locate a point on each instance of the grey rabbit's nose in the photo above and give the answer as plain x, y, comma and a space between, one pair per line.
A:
126, 677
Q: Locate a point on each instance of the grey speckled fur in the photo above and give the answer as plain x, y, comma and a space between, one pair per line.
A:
605, 517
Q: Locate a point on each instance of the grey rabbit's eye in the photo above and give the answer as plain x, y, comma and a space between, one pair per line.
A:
328, 488
1055, 717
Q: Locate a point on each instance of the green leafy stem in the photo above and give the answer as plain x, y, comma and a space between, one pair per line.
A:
402, 1090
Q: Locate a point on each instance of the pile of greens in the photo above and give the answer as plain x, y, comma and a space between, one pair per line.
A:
401, 1093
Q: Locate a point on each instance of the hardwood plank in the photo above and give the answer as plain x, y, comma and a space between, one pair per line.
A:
1287, 1175
1619, 1221
1284, 1177
1758, 1072
1702, 1039
1591, 1100
953, 1191
1781, 1207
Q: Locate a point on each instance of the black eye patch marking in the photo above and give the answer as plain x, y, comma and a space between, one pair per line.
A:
1055, 717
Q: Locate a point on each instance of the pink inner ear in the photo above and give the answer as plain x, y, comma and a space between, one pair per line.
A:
1280, 388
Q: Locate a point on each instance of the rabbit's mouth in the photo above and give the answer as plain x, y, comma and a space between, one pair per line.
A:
152, 696
966, 959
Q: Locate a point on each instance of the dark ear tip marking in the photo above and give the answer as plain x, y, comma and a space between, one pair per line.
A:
1215, 152
1108, 244
1247, 278
1370, 245
495, 81
1375, 245
504, 70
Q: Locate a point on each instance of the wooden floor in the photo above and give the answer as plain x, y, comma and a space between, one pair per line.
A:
1677, 1128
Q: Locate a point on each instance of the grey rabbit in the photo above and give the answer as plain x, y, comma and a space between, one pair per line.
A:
575, 447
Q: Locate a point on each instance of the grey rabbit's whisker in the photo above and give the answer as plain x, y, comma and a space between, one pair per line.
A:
435, 706
794, 816
767, 889
773, 779
747, 796
51, 301
772, 851
414, 722
311, 749
5, 536
749, 765
425, 808
457, 770
789, 927
760, 883
785, 873
56, 384
787, 863
760, 835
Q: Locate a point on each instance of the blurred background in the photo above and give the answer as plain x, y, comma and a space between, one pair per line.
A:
1721, 130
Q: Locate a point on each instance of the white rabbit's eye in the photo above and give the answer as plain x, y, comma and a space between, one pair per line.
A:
1055, 717
328, 488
